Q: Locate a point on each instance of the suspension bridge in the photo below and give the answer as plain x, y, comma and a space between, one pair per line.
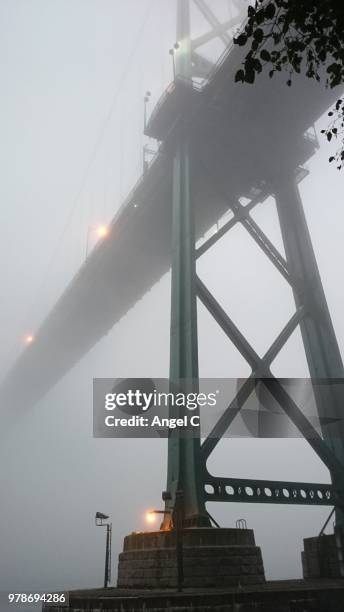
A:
218, 143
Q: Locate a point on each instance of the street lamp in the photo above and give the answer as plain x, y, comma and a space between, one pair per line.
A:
151, 515
29, 339
172, 52
147, 151
100, 517
101, 230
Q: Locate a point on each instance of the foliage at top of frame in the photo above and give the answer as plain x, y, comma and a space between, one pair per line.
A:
298, 36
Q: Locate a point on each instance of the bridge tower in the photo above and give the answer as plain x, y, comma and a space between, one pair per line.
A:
278, 176
187, 457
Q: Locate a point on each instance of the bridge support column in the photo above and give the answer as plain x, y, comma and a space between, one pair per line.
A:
184, 471
321, 348
184, 453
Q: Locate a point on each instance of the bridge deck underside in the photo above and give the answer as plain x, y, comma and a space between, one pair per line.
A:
240, 137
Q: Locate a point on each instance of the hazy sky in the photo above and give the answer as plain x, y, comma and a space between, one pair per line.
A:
73, 77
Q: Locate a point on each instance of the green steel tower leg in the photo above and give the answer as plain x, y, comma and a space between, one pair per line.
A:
321, 348
184, 457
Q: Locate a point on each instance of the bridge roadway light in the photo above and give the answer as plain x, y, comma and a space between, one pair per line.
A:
101, 230
29, 339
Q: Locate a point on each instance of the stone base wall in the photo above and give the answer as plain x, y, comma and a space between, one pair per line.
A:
322, 558
210, 559
284, 596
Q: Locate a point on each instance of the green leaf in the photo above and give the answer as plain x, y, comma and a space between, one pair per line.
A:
260, 16
257, 66
265, 55
258, 35
270, 11
241, 40
240, 76
249, 76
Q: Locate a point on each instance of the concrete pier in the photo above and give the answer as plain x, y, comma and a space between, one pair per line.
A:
211, 558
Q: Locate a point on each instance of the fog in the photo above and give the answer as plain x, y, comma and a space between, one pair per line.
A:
73, 78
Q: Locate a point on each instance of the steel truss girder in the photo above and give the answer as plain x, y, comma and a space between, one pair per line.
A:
260, 368
242, 215
200, 65
230, 328
268, 491
259, 365
227, 226
254, 491
217, 31
264, 243
213, 21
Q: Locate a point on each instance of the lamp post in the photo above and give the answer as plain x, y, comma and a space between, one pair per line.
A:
147, 150
145, 102
100, 517
172, 52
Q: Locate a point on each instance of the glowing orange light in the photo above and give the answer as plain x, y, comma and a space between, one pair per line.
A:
29, 339
102, 231
150, 517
